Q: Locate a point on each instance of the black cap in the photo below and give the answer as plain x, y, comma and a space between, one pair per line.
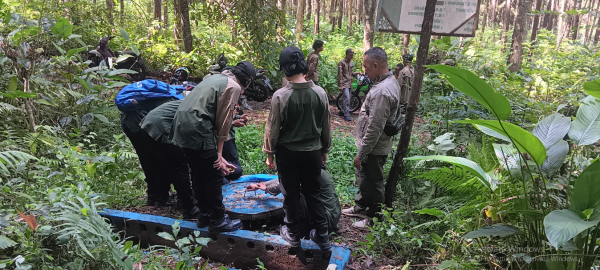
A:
247, 69
290, 55
349, 51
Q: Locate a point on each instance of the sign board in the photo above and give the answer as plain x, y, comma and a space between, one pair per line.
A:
452, 18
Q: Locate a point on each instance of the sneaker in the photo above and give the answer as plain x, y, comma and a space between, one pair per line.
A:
225, 225
203, 221
348, 118
351, 212
192, 213
322, 240
363, 223
287, 235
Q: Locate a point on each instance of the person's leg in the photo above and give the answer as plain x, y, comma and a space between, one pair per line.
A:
310, 163
346, 103
230, 154
374, 186
146, 158
289, 177
177, 171
360, 201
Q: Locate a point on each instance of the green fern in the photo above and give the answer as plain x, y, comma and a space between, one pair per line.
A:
12, 159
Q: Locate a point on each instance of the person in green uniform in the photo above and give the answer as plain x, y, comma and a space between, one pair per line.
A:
130, 122
201, 126
298, 131
313, 62
156, 126
328, 196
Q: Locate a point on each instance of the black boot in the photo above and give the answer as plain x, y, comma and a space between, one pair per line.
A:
322, 239
150, 201
290, 237
191, 213
203, 221
224, 225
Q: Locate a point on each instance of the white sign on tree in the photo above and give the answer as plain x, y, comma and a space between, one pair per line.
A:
452, 18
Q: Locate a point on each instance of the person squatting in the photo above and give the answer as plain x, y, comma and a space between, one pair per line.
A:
189, 142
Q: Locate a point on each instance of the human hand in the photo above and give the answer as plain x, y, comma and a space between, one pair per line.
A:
357, 162
257, 186
238, 123
224, 166
324, 158
270, 162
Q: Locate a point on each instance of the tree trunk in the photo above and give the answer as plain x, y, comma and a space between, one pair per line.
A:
176, 21
157, 10
185, 25
300, 19
506, 21
350, 7
361, 12
370, 6
536, 21
166, 14
340, 15
405, 43
398, 167
548, 18
589, 21
485, 14
317, 11
332, 8
559, 25
308, 9
493, 5
576, 19
594, 21
109, 15
519, 35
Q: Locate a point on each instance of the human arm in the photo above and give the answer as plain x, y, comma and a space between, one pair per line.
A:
340, 75
380, 112
272, 187
272, 128
225, 110
313, 62
326, 136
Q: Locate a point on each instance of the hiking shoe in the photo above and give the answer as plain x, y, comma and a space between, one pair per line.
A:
351, 212
322, 240
363, 223
225, 225
192, 213
348, 118
287, 235
203, 220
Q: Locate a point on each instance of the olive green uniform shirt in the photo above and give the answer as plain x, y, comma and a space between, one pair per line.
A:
299, 119
379, 108
327, 195
133, 119
405, 79
313, 66
158, 122
345, 73
205, 115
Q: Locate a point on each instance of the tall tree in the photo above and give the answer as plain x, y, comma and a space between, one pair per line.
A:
157, 10
369, 7
350, 7
317, 11
576, 19
506, 20
493, 5
122, 12
559, 24
308, 9
536, 20
519, 35
109, 8
548, 17
300, 19
166, 14
332, 7
593, 20
361, 12
340, 14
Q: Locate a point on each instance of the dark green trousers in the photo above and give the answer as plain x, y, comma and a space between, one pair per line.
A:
371, 185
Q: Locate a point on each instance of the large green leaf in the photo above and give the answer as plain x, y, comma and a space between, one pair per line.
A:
592, 88
476, 88
552, 129
563, 225
557, 154
585, 130
586, 193
62, 28
508, 157
494, 230
6, 242
524, 141
466, 164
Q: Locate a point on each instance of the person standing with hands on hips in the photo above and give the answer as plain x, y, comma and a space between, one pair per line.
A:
298, 132
380, 108
345, 75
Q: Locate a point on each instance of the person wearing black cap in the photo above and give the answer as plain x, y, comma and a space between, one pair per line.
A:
345, 75
298, 131
201, 125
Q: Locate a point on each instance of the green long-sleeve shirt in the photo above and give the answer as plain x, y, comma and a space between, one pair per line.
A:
205, 115
299, 119
133, 119
158, 122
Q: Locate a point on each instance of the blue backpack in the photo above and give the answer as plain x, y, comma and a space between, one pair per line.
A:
129, 98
